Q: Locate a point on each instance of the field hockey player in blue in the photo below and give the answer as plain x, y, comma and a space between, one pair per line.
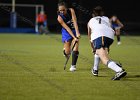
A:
117, 26
70, 32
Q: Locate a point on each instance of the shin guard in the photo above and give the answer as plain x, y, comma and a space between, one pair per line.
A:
74, 57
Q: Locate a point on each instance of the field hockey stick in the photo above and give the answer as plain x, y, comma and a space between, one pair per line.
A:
69, 55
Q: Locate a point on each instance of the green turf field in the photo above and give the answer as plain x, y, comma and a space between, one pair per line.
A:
31, 68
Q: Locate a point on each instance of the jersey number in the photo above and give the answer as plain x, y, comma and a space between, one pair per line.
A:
99, 19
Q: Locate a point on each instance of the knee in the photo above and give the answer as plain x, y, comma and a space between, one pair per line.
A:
66, 52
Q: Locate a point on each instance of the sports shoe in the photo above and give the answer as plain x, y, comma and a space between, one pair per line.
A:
119, 64
94, 72
73, 68
119, 75
119, 43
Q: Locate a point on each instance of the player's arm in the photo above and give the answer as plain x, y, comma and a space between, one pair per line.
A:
60, 20
120, 24
89, 32
89, 37
75, 22
110, 22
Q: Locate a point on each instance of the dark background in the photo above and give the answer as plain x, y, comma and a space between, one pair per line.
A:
127, 11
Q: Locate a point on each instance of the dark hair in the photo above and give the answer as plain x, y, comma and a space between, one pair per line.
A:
98, 11
62, 3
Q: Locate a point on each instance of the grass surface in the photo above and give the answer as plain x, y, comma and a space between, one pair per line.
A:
31, 68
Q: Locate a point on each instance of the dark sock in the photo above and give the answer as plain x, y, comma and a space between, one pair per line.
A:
118, 38
74, 57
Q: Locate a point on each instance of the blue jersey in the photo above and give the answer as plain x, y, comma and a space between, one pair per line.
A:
68, 20
115, 25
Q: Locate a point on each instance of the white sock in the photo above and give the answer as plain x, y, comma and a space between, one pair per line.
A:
73, 66
96, 62
112, 65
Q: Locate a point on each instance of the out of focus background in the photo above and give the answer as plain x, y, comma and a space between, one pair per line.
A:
32, 64
20, 15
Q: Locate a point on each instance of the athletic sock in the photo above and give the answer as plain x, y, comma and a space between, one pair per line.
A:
74, 57
118, 38
96, 62
112, 65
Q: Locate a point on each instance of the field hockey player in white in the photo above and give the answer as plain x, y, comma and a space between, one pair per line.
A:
101, 36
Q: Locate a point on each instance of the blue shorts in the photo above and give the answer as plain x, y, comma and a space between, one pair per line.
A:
114, 26
103, 41
66, 36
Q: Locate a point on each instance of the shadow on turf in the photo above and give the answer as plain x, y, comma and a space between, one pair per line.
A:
133, 76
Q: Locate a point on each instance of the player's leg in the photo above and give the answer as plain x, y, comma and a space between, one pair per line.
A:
67, 49
46, 30
96, 61
95, 65
111, 64
102, 50
103, 54
75, 55
40, 28
118, 36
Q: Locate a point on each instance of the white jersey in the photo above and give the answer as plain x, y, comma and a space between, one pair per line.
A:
100, 26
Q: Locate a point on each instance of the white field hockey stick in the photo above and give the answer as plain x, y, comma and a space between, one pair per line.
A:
69, 55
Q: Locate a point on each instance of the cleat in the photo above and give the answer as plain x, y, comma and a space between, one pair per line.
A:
94, 72
119, 75
73, 68
119, 43
119, 64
